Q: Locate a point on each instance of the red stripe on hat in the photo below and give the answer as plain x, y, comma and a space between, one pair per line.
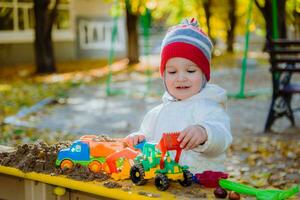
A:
185, 50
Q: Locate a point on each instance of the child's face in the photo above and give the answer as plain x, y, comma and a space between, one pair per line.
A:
183, 78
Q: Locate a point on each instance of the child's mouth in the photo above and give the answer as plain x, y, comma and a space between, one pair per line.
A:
182, 87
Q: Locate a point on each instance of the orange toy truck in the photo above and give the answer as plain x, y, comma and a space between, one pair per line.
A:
112, 156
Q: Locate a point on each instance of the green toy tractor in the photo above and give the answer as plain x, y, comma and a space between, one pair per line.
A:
156, 162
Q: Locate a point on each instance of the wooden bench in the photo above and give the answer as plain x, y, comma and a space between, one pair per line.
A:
285, 61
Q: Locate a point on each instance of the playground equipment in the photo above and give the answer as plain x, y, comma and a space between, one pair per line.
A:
156, 162
285, 60
116, 13
275, 36
112, 157
258, 193
146, 23
241, 94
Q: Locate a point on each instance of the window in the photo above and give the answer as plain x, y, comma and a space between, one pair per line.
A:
6, 17
17, 16
78, 148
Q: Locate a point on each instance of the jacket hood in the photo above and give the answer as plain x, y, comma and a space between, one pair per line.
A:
209, 92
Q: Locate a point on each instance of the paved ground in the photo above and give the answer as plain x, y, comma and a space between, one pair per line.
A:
88, 110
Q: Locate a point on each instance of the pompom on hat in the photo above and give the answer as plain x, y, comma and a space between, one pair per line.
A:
187, 40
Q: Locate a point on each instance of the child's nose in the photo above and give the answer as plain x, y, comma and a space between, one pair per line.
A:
181, 77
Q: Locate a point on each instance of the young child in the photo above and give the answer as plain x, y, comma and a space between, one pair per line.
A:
190, 105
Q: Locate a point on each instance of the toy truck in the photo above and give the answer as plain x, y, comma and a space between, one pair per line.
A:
113, 157
155, 161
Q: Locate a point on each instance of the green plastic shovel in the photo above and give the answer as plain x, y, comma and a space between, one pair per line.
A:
258, 193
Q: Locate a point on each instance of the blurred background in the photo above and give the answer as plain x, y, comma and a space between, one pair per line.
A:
49, 47
82, 29
52, 52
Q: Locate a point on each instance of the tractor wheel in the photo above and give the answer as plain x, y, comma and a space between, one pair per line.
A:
162, 182
137, 174
95, 166
66, 164
188, 178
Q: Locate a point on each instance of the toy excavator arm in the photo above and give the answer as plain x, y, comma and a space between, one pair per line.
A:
169, 142
126, 153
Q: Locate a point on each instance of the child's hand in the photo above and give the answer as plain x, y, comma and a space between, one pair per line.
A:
133, 139
192, 136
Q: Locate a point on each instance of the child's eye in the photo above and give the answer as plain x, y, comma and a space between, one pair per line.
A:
191, 71
172, 72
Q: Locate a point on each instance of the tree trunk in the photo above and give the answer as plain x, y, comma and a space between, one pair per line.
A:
132, 40
44, 20
207, 9
266, 11
281, 19
231, 26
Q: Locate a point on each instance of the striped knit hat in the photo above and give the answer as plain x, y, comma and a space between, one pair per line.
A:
188, 41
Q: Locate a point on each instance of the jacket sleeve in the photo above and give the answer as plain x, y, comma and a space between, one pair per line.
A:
217, 125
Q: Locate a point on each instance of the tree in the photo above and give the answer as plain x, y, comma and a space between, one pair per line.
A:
44, 19
132, 33
266, 10
207, 13
231, 26
207, 10
293, 16
133, 10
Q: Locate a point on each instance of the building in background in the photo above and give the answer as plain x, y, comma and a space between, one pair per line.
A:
82, 30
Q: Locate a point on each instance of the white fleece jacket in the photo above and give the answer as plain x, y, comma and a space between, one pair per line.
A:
205, 109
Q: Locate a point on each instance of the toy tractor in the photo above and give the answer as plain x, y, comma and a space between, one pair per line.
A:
156, 162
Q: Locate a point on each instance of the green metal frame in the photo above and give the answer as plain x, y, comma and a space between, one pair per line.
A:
146, 22
116, 14
275, 34
241, 94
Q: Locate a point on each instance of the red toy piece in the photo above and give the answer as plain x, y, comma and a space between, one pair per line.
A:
169, 142
210, 179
